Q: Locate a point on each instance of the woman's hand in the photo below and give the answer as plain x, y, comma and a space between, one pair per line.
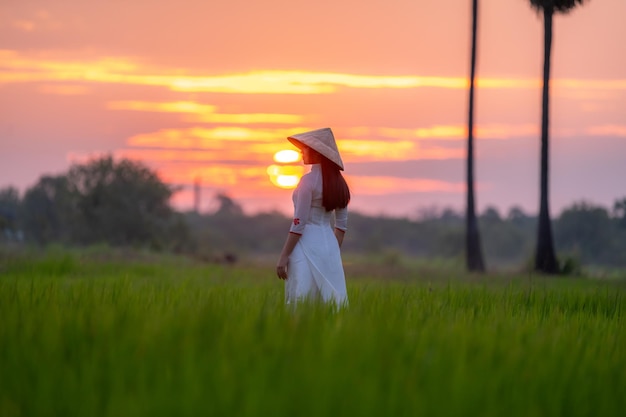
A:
281, 267
283, 261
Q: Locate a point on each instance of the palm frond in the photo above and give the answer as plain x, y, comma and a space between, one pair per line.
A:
558, 6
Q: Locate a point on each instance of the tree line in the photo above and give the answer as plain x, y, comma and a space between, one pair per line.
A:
125, 204
103, 201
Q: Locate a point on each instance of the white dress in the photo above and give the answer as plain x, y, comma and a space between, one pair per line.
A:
315, 269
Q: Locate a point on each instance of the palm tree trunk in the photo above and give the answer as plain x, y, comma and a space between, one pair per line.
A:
545, 258
473, 251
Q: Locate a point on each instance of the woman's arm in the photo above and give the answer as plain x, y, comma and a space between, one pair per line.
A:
283, 260
341, 224
339, 235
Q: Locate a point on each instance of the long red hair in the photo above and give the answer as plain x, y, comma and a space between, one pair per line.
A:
335, 190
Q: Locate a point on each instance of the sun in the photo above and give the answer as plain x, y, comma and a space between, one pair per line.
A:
287, 181
286, 156
285, 174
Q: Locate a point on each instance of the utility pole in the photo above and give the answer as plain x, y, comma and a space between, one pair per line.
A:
196, 195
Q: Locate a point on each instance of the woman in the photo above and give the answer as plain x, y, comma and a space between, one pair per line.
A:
310, 261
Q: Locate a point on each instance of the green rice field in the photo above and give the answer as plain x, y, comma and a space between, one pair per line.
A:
94, 334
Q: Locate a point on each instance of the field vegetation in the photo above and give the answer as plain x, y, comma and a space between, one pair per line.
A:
107, 332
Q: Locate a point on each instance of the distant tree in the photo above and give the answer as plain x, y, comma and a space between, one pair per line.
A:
473, 251
619, 212
585, 230
119, 202
427, 213
449, 215
47, 211
619, 219
524, 222
228, 206
545, 256
516, 213
115, 202
9, 206
9, 198
491, 214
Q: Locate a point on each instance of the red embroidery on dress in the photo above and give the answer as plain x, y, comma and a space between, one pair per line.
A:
296, 221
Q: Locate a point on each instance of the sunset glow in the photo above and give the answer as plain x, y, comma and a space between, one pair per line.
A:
217, 101
285, 176
286, 156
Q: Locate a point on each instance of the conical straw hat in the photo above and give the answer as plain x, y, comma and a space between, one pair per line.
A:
322, 140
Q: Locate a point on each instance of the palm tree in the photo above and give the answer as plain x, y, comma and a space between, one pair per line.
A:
545, 258
473, 251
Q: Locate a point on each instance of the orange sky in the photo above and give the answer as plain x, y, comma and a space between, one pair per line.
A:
210, 90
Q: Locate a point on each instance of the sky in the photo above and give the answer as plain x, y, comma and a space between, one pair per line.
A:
208, 91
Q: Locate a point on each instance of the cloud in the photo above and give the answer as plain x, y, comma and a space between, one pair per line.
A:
358, 150
450, 132
305, 82
211, 138
175, 167
40, 20
64, 90
242, 143
215, 175
24, 25
21, 67
380, 185
252, 154
247, 118
575, 84
169, 107
226, 145
607, 130
238, 143
205, 113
